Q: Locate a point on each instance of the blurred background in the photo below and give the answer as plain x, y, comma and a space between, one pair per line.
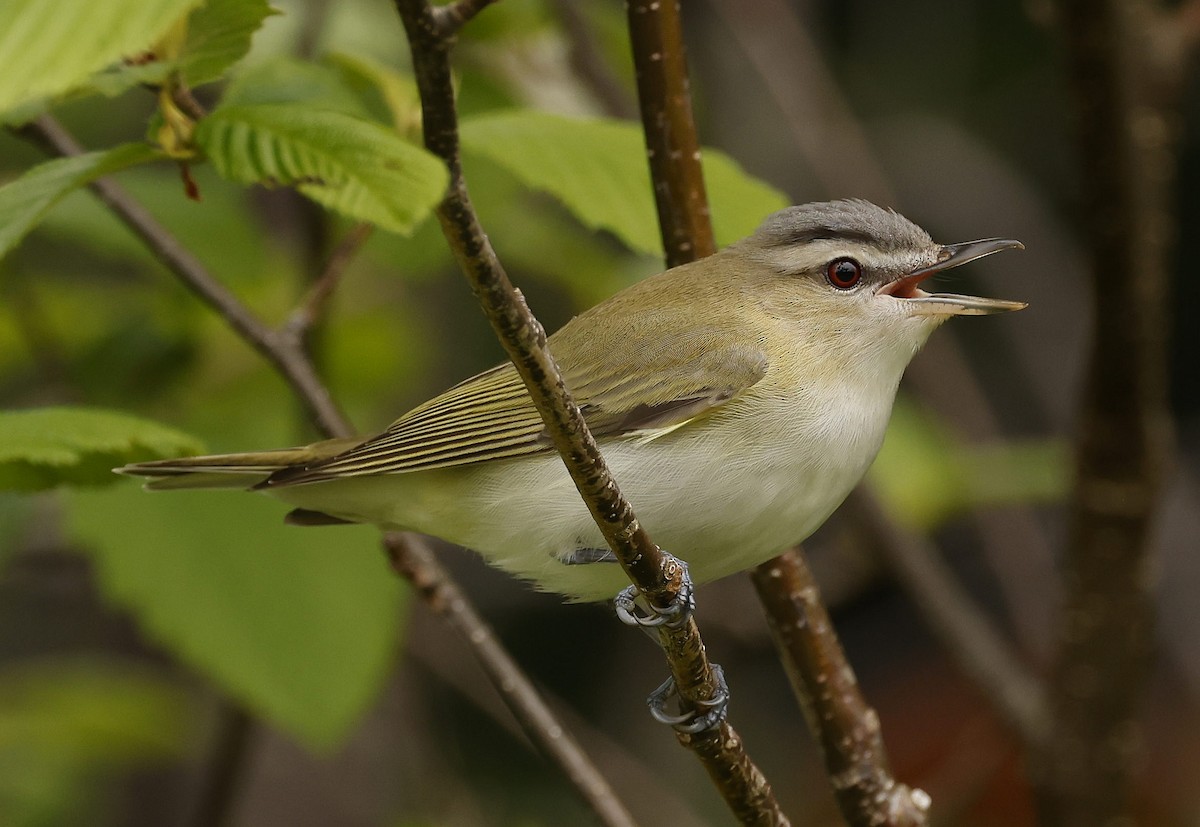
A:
129, 690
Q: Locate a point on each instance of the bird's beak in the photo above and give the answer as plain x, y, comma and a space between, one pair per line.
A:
951, 304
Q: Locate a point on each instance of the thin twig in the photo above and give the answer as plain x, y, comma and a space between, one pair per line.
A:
845, 726
316, 302
1126, 154
407, 556
672, 146
590, 65
658, 576
292, 366
415, 562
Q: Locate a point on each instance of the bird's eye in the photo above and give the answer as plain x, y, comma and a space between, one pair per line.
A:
843, 273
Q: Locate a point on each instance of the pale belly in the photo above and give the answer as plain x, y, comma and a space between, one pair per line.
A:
721, 503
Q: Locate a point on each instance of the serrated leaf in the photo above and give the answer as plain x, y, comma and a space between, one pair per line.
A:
597, 168
219, 35
25, 201
300, 624
47, 48
45, 447
356, 167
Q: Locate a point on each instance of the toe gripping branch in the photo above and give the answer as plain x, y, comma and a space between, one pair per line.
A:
634, 611
648, 616
708, 714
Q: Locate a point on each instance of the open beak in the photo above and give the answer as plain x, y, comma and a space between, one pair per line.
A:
950, 304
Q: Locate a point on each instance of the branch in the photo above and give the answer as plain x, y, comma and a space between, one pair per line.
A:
814, 110
407, 555
672, 147
292, 365
658, 576
314, 305
1126, 155
845, 726
415, 562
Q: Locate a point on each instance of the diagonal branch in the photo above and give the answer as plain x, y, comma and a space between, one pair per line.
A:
407, 555
657, 575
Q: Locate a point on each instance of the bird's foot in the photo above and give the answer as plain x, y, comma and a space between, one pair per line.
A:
634, 611
709, 714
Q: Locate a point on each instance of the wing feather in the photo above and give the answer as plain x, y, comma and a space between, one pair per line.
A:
490, 416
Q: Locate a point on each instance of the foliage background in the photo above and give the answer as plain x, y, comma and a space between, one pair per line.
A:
128, 622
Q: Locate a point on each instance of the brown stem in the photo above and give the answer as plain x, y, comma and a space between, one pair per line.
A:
316, 302
846, 727
664, 96
658, 576
1125, 153
415, 562
408, 557
293, 366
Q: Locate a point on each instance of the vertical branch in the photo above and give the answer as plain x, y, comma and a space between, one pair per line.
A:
838, 716
672, 147
431, 32
845, 726
1105, 646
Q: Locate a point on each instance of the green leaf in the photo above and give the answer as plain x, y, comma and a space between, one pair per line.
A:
47, 48
926, 476
392, 94
597, 168
25, 201
45, 447
351, 165
288, 80
301, 624
68, 727
219, 35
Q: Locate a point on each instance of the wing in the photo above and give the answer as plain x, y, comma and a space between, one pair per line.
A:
490, 416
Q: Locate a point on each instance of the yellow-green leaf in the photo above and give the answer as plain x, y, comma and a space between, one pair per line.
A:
597, 168
46, 447
348, 164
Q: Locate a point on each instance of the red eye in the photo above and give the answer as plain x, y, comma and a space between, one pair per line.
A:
843, 273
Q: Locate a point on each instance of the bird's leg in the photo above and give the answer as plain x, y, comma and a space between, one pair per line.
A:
709, 714
634, 610
584, 556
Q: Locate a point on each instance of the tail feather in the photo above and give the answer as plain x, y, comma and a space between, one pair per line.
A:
244, 470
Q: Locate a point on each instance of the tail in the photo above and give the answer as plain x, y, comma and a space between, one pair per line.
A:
230, 470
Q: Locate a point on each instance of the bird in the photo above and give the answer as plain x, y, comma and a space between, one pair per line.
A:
737, 400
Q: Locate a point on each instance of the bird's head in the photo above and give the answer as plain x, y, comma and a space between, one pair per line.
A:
855, 270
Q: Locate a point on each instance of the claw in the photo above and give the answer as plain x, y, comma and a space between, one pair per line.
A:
709, 715
648, 616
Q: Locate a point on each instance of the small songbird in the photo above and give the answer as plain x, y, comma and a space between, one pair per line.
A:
737, 399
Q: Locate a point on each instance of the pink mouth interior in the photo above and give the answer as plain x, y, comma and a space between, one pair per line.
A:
906, 286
